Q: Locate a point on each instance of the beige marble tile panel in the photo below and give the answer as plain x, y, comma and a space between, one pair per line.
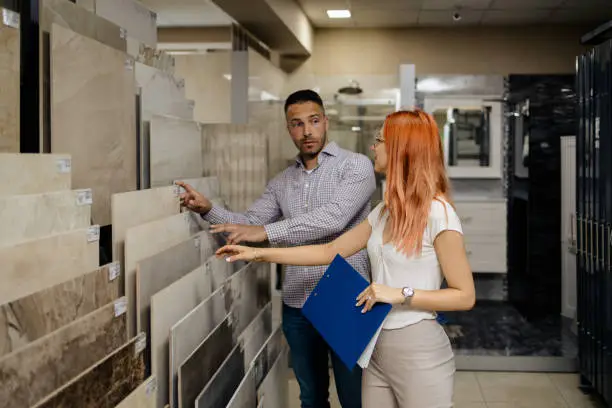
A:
237, 155
151, 56
139, 207
89, 5
10, 46
143, 396
168, 306
82, 21
27, 319
39, 264
93, 116
31, 216
146, 240
138, 21
174, 147
34, 173
34, 372
161, 93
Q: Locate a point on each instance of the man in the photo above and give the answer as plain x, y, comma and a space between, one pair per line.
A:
326, 192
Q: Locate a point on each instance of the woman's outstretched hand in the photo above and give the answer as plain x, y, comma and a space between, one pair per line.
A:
233, 253
376, 293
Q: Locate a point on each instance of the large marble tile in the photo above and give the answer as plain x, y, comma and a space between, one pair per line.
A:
226, 381
32, 216
89, 5
146, 240
151, 56
175, 149
274, 390
128, 210
168, 306
105, 384
34, 173
26, 320
138, 21
161, 93
92, 94
39, 264
82, 21
237, 155
208, 186
143, 396
10, 46
30, 374
246, 293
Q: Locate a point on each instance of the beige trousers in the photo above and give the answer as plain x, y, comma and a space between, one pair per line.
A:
412, 367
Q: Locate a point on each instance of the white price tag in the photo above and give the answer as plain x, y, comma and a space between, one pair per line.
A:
84, 197
177, 190
93, 233
197, 242
151, 386
190, 104
122, 33
10, 18
129, 64
114, 270
140, 344
120, 306
63, 166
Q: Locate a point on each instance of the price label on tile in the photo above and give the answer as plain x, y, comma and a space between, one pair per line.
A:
122, 33
63, 166
120, 306
10, 18
151, 386
93, 233
141, 343
84, 197
197, 242
177, 190
190, 105
114, 270
129, 64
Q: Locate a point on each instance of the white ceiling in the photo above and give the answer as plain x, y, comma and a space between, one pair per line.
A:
187, 13
405, 13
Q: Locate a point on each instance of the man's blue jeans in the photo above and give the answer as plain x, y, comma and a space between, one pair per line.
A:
310, 361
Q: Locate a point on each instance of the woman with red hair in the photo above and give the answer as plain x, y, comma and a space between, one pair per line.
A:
414, 240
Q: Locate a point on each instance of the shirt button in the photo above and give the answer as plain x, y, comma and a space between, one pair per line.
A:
306, 185
305, 205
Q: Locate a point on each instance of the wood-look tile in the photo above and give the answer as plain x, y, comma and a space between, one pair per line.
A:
139, 207
138, 21
175, 149
30, 374
161, 93
34, 173
92, 93
274, 390
168, 306
104, 385
28, 319
10, 46
39, 264
146, 240
236, 154
80, 20
47, 214
143, 396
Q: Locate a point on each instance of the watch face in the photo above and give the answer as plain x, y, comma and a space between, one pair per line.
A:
408, 292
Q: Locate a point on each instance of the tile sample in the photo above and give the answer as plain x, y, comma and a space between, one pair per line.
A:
92, 94
150, 56
237, 155
32, 216
146, 240
57, 258
274, 390
143, 396
168, 306
32, 317
138, 21
34, 173
161, 93
139, 207
246, 293
105, 384
80, 20
208, 186
89, 5
175, 149
10, 49
43, 366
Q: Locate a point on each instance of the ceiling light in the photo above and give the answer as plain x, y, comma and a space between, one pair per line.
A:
339, 13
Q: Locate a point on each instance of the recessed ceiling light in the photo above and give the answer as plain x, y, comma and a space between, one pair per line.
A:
339, 13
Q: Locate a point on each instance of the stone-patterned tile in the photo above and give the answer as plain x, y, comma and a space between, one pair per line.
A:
10, 46
161, 93
567, 384
93, 116
28, 319
520, 388
467, 388
34, 173
143, 396
138, 21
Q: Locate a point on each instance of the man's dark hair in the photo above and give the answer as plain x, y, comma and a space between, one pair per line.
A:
304, 95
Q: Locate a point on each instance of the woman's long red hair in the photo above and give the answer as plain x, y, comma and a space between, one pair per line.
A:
416, 176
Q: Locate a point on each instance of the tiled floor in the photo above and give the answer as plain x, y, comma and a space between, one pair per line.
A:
500, 390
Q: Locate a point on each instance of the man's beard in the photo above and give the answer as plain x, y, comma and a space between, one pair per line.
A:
309, 155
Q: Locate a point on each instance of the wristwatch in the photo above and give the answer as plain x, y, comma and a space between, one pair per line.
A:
408, 294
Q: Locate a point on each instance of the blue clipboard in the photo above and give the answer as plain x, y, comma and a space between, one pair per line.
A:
331, 310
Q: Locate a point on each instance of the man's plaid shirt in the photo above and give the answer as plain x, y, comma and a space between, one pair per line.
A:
301, 208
